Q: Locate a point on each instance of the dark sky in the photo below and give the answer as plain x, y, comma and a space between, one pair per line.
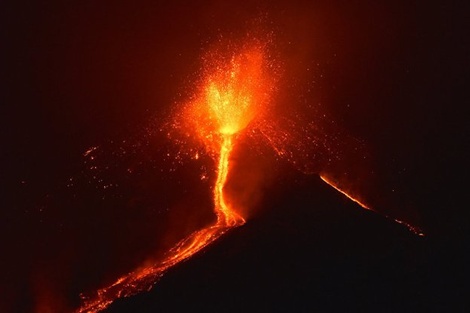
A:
94, 74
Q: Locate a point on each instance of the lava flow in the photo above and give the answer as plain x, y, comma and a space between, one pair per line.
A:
231, 95
336, 186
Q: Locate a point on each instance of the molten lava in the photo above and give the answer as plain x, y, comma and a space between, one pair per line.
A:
225, 215
335, 185
231, 95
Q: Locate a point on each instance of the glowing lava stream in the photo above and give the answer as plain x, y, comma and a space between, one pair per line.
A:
412, 228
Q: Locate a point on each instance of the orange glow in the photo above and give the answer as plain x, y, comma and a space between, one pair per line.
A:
231, 96
335, 186
412, 228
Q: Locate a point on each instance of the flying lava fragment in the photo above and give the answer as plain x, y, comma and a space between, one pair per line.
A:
231, 95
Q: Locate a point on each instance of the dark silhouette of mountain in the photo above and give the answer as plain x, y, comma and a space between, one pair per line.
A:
312, 251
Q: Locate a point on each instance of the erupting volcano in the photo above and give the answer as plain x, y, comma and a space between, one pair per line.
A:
233, 156
231, 96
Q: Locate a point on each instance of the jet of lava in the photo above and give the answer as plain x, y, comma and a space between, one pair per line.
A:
231, 95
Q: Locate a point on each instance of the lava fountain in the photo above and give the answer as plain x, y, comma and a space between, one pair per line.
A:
231, 95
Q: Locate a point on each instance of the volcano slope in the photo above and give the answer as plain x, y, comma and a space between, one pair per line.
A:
309, 248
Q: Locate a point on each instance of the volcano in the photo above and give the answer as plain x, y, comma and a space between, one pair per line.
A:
311, 249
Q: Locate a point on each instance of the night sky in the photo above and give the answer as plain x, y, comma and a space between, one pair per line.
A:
103, 77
